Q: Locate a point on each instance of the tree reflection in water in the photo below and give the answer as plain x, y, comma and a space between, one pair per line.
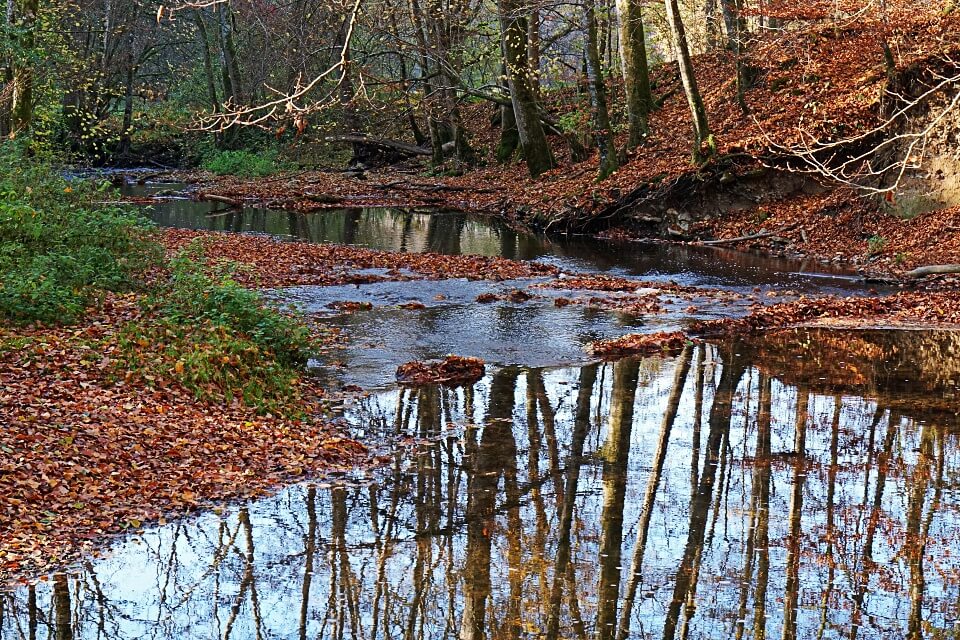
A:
802, 486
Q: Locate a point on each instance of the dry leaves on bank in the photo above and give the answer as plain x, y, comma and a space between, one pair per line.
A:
83, 455
274, 263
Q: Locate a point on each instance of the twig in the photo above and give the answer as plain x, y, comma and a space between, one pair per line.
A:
754, 236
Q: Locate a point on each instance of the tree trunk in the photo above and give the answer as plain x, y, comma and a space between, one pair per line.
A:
533, 139
636, 75
231, 69
509, 136
732, 21
598, 97
710, 16
21, 111
533, 50
429, 91
125, 145
736, 27
7, 76
703, 145
207, 61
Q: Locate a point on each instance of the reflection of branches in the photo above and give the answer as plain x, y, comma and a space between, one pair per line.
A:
792, 588
720, 417
831, 492
247, 582
862, 574
581, 427
759, 481
653, 482
615, 454
309, 550
221, 551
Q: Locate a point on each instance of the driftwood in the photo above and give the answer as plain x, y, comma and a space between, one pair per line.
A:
212, 197
400, 185
754, 236
393, 145
933, 269
775, 235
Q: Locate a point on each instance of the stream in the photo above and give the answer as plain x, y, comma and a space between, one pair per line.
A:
800, 484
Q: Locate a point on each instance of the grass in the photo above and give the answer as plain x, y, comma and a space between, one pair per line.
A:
244, 164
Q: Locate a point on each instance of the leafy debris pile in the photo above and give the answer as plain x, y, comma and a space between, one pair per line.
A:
451, 371
639, 344
914, 308
273, 263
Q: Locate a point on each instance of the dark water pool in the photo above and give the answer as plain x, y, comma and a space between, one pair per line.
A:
460, 233
800, 485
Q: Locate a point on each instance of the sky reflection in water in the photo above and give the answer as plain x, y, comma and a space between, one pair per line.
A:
802, 486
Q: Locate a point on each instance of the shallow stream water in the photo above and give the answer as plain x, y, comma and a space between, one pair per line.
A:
533, 333
801, 484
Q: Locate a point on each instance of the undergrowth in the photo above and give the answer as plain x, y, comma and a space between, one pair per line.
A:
61, 252
58, 249
221, 341
244, 164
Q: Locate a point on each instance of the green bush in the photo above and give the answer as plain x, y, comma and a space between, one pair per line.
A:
242, 163
57, 248
217, 338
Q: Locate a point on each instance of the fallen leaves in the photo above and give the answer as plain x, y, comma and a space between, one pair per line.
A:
84, 455
906, 308
273, 263
640, 344
451, 371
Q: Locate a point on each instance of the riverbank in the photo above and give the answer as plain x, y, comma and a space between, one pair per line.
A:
766, 188
88, 453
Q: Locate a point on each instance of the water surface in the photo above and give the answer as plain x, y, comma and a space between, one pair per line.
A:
800, 485
455, 233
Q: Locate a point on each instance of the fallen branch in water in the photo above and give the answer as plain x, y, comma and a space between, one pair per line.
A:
212, 197
931, 270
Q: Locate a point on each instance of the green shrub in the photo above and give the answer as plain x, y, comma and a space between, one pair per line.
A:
875, 245
57, 248
242, 163
218, 339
